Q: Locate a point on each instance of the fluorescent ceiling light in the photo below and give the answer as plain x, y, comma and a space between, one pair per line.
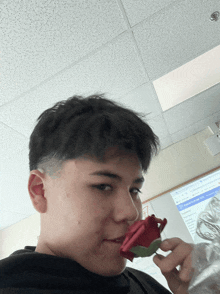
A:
189, 79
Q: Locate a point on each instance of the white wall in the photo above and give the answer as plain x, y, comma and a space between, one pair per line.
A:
176, 164
179, 163
19, 235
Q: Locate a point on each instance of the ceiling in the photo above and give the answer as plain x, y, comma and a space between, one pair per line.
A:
51, 50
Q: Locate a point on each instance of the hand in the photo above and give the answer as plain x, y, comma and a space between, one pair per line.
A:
178, 280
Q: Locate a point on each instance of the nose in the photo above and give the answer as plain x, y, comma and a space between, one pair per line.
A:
125, 208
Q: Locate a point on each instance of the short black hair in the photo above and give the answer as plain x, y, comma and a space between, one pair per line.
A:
90, 125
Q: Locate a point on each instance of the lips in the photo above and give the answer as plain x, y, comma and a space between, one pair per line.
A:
117, 240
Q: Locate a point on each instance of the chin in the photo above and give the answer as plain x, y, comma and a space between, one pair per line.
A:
114, 269
112, 273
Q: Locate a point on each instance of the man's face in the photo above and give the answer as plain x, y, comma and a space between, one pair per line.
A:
89, 206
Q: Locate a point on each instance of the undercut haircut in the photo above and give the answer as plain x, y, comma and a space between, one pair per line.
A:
82, 126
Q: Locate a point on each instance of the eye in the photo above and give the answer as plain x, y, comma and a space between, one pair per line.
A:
135, 191
103, 187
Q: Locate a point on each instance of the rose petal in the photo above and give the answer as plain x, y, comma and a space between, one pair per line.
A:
142, 234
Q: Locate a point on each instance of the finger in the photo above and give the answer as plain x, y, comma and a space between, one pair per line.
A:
172, 243
172, 277
186, 271
157, 258
173, 280
180, 255
180, 251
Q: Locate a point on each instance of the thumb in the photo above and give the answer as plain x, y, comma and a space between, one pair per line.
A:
157, 258
174, 282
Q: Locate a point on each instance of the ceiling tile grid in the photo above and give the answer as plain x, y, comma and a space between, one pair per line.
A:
165, 141
193, 110
174, 36
41, 38
114, 70
138, 10
52, 50
142, 99
159, 126
196, 127
11, 141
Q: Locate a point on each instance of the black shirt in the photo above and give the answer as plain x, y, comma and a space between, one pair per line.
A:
27, 271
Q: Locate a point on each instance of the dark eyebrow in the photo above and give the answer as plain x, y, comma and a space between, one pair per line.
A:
104, 173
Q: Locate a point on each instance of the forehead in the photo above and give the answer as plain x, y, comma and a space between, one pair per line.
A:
121, 163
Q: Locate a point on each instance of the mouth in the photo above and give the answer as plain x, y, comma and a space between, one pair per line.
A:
119, 240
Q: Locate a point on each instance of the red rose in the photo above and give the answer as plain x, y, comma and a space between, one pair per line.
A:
142, 233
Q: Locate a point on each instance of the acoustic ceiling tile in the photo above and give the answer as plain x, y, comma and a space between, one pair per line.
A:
14, 171
138, 10
193, 110
176, 35
114, 70
165, 142
143, 99
41, 38
21, 114
187, 132
196, 127
189, 79
11, 141
158, 126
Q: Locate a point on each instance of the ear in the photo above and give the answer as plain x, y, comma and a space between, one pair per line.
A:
36, 191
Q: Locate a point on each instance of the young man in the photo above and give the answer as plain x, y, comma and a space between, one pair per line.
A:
87, 159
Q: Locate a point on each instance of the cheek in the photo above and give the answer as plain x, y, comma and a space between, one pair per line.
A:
101, 216
92, 224
99, 206
139, 208
94, 213
99, 210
